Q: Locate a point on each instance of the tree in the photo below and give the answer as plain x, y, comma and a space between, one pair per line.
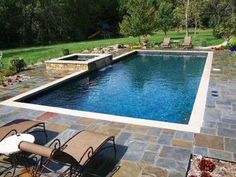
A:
196, 9
164, 16
140, 18
186, 17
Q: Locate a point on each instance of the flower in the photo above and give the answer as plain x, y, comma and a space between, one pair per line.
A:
206, 165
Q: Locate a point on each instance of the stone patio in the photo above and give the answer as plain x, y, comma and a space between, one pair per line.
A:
147, 151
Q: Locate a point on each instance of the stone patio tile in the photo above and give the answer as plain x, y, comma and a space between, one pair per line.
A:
173, 173
168, 132
137, 129
188, 136
220, 154
117, 125
150, 171
234, 107
223, 125
230, 145
172, 164
154, 131
135, 151
144, 137
212, 115
46, 116
200, 150
55, 127
149, 157
58, 119
209, 124
122, 138
165, 139
101, 122
181, 143
209, 141
108, 130
175, 153
85, 121
129, 168
5, 110
78, 127
229, 121
209, 131
226, 132
154, 147
233, 127
235, 157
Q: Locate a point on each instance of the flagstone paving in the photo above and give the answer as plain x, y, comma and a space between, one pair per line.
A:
155, 152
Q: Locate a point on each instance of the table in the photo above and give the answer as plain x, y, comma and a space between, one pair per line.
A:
9, 147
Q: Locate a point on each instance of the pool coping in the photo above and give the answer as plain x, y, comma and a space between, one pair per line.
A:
196, 117
97, 57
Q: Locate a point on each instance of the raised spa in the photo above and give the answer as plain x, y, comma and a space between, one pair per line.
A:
79, 62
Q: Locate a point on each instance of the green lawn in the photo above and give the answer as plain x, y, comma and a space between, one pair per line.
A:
38, 54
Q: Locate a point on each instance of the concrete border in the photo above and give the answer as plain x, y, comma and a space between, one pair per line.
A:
195, 121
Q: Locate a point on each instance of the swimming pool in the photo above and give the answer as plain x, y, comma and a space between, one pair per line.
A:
148, 85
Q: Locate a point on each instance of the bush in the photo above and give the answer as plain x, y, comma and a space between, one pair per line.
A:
232, 42
65, 52
204, 43
1, 66
19, 64
1, 78
9, 71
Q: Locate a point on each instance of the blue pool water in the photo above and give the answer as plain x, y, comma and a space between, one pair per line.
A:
145, 86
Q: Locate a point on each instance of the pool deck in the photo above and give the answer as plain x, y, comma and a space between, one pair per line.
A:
146, 151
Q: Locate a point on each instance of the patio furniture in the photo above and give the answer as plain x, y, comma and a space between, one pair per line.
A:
76, 153
187, 42
21, 126
9, 148
166, 42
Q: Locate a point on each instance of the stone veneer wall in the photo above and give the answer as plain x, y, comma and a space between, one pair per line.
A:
74, 66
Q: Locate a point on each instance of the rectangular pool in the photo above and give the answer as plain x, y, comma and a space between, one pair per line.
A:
145, 85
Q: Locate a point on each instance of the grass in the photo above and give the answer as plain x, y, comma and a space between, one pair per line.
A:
34, 55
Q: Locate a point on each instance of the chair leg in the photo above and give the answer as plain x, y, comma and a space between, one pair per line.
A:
45, 132
114, 145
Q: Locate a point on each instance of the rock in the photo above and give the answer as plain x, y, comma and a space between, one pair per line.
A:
86, 51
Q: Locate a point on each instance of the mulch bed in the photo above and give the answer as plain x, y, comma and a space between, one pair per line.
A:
200, 166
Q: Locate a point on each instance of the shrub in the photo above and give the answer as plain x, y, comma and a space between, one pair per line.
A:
234, 55
1, 66
1, 78
19, 64
204, 43
9, 71
65, 52
232, 42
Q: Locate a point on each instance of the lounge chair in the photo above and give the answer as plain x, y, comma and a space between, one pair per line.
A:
166, 42
76, 153
21, 126
187, 42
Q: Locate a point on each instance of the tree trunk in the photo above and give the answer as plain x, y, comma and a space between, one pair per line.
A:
195, 27
186, 17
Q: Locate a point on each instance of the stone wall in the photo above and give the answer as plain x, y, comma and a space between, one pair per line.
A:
66, 66
79, 66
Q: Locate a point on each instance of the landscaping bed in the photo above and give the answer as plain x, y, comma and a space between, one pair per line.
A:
200, 166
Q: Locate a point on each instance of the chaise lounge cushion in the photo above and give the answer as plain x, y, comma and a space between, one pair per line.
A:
20, 125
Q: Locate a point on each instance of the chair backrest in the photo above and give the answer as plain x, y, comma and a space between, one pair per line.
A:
187, 40
166, 41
